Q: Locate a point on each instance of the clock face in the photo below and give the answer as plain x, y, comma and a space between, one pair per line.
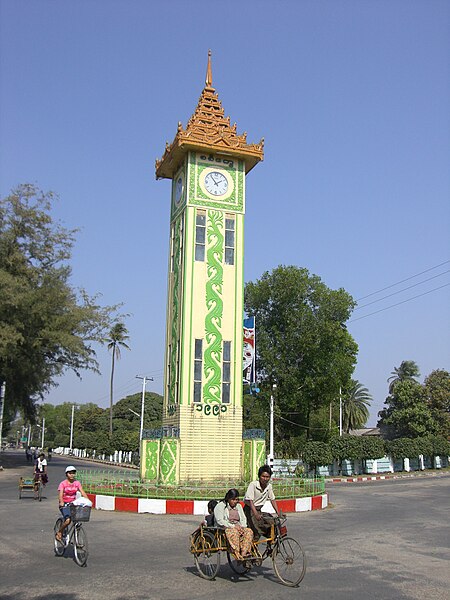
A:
216, 183
178, 189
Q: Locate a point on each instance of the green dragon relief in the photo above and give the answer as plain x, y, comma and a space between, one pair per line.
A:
212, 389
174, 335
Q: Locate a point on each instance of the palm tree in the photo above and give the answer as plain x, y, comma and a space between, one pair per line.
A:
118, 336
355, 404
408, 369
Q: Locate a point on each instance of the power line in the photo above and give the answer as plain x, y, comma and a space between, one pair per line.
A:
398, 303
128, 386
303, 426
403, 280
402, 290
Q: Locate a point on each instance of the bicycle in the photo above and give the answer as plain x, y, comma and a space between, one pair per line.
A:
38, 487
288, 557
74, 534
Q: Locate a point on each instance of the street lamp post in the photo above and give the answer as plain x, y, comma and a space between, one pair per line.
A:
271, 434
71, 428
144, 380
43, 432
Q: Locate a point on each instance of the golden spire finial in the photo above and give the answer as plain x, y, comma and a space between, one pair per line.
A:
208, 80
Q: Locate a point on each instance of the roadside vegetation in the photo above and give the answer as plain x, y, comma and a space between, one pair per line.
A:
305, 357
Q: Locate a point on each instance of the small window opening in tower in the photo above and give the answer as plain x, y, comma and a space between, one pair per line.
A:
172, 247
226, 372
229, 240
200, 236
198, 367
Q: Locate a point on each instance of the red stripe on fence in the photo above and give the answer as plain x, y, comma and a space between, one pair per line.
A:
179, 507
286, 505
316, 502
126, 504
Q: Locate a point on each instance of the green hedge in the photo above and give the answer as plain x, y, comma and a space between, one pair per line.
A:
350, 447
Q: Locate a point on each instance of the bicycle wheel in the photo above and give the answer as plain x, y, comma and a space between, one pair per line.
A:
238, 566
289, 561
59, 544
40, 491
207, 556
80, 546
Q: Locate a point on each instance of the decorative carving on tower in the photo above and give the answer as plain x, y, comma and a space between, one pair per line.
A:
208, 128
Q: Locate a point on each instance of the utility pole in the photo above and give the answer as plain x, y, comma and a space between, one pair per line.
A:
144, 381
2, 404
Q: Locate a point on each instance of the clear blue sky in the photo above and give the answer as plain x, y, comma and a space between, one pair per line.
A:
353, 100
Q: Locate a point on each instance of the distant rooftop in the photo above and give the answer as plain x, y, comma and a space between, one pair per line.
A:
366, 431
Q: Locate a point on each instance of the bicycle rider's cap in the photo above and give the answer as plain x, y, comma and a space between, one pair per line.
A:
70, 469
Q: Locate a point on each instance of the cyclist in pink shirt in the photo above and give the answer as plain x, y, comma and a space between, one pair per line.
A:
67, 493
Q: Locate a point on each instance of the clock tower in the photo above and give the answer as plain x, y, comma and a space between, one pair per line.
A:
208, 161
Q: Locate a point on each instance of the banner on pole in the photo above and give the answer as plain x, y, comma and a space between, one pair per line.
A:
249, 350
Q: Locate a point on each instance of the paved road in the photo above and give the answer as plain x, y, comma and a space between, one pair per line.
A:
383, 541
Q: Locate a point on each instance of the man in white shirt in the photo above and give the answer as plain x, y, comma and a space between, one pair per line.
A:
40, 473
257, 494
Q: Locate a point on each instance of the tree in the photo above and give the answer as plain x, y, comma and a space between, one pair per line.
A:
407, 370
126, 408
303, 344
46, 326
407, 414
116, 340
354, 447
437, 394
255, 414
316, 454
355, 404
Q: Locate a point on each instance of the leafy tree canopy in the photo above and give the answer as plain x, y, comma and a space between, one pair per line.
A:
317, 453
46, 326
407, 413
303, 344
91, 423
437, 394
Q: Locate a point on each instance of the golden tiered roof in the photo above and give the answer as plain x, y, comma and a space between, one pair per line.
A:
208, 130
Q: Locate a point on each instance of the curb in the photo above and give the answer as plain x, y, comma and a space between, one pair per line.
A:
364, 478
159, 506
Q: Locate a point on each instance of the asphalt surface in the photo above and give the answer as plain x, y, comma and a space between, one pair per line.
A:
386, 540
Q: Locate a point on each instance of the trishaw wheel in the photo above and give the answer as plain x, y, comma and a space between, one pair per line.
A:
59, 545
238, 566
289, 561
207, 556
80, 546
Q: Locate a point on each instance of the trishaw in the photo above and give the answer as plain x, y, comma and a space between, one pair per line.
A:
288, 558
30, 485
